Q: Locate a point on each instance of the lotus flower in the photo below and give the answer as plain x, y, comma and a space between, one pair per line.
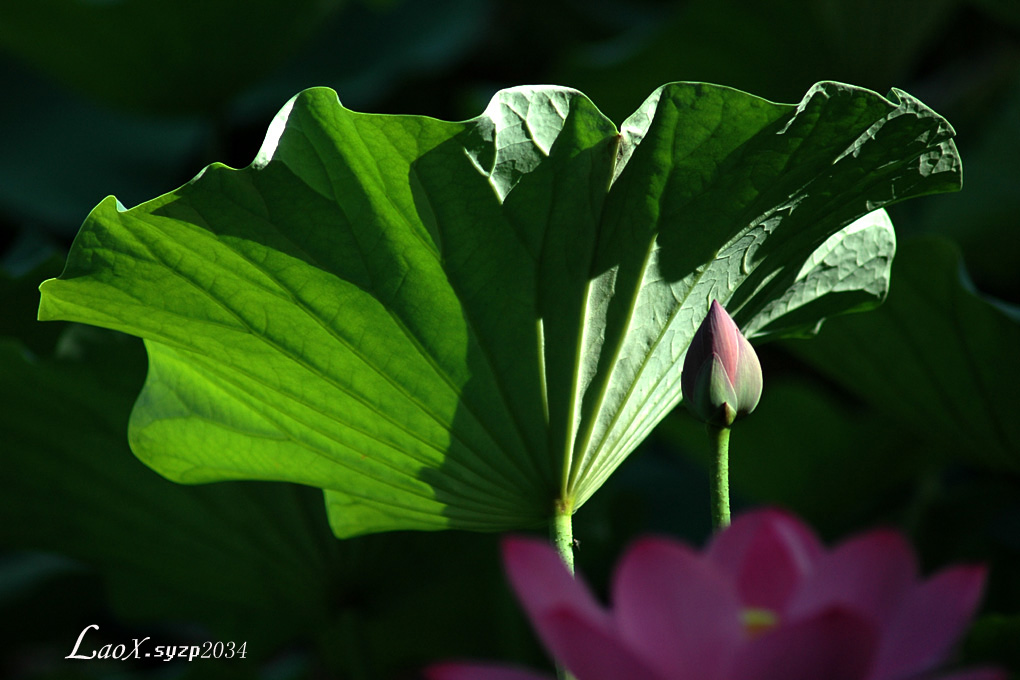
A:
721, 379
764, 601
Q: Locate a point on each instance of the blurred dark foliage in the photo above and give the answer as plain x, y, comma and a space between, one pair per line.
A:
133, 98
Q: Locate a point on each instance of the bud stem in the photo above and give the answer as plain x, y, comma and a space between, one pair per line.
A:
720, 482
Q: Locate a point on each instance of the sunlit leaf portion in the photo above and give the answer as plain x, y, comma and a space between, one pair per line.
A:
455, 324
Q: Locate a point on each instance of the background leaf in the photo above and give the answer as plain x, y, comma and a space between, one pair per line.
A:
936, 357
81, 493
178, 51
870, 42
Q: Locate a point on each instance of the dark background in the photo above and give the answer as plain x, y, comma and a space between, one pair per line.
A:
133, 98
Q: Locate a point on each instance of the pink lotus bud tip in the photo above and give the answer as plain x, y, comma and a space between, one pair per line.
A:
721, 378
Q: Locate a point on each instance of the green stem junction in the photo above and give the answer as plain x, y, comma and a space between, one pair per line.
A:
563, 532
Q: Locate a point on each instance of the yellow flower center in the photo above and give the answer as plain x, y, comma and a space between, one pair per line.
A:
757, 621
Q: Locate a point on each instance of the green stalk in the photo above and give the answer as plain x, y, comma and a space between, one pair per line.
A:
562, 531
720, 482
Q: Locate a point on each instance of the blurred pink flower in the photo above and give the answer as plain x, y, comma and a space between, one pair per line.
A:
764, 601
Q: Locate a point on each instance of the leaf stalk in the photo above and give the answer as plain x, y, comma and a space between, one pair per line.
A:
562, 531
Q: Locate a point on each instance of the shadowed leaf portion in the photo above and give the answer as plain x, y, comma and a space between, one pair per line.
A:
453, 324
937, 357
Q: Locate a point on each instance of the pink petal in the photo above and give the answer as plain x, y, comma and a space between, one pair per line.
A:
835, 644
676, 609
545, 586
748, 379
725, 338
871, 573
593, 653
932, 617
468, 671
766, 553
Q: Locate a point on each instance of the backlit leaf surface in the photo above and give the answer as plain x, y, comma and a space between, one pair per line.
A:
456, 324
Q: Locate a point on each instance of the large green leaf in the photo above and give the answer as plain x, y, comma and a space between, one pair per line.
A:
461, 324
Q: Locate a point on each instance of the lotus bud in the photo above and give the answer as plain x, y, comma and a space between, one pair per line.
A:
721, 380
